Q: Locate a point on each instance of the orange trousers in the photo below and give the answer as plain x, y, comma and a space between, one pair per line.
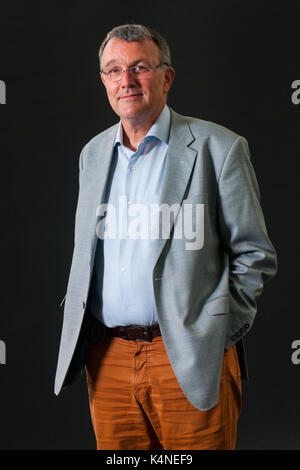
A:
136, 402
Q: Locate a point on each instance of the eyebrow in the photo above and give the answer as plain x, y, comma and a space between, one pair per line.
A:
115, 61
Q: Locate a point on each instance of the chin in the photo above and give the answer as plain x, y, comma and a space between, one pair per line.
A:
132, 111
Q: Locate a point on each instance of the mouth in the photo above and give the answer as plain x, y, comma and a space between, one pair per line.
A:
132, 96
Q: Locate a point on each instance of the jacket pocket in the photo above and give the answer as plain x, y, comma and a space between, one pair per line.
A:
218, 306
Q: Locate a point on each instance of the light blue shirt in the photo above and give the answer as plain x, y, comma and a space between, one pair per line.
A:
124, 265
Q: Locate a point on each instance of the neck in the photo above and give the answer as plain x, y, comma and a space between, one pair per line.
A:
135, 130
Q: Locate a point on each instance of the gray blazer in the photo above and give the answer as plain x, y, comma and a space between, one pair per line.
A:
205, 298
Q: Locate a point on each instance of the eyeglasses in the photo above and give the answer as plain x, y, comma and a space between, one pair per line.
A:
136, 71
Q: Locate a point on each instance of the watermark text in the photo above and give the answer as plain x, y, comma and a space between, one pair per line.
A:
134, 221
2, 92
296, 354
2, 352
296, 94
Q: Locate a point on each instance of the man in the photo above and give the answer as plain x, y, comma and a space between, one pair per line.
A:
156, 307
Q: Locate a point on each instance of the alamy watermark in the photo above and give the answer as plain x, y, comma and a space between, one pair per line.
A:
2, 352
151, 221
296, 354
296, 94
2, 92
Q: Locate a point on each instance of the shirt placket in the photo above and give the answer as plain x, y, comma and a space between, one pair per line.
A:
126, 244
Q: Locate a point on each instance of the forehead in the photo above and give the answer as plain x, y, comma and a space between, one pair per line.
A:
119, 51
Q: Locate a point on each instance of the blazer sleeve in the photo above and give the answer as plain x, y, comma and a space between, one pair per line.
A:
252, 257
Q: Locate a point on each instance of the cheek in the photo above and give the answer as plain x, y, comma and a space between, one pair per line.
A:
112, 97
159, 87
153, 89
111, 91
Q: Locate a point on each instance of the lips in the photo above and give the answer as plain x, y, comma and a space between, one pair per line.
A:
132, 96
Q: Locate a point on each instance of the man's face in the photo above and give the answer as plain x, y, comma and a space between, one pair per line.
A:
137, 99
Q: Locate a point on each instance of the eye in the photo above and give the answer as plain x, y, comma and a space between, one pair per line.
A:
114, 70
139, 68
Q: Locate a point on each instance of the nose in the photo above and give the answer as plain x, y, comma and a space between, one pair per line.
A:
127, 81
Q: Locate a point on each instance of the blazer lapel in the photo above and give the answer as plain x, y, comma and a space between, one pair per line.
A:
104, 159
179, 165
96, 183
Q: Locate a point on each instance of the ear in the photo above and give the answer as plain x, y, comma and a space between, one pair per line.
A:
169, 77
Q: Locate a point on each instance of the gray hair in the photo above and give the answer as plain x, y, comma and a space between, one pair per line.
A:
138, 33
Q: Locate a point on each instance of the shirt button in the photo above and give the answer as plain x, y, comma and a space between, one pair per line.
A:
133, 168
130, 201
122, 269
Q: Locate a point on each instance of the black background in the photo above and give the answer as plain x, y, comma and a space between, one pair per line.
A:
235, 63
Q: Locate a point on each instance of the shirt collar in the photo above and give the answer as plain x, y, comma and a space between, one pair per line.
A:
160, 129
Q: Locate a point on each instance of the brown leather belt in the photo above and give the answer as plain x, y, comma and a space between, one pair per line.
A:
134, 332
